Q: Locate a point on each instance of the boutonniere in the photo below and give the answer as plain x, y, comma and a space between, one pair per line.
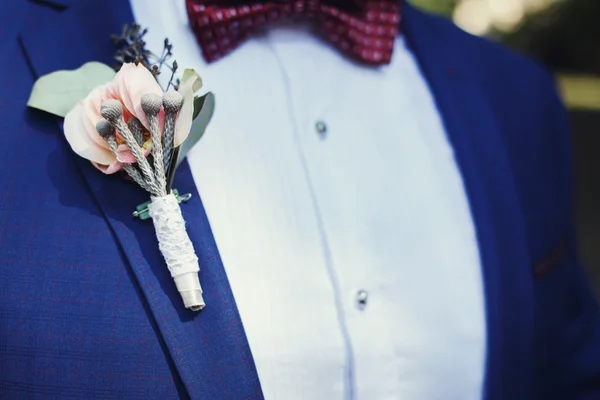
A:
124, 121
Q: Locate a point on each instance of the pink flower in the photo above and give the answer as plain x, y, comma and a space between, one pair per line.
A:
128, 86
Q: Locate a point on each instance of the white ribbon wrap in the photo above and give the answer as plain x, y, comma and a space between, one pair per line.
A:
176, 246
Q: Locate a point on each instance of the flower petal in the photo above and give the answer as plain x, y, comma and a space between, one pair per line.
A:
81, 142
108, 169
91, 111
190, 83
124, 155
133, 82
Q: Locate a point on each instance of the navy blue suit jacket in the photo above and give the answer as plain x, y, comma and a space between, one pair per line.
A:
88, 309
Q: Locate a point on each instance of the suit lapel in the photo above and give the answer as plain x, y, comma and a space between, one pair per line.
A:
480, 152
209, 349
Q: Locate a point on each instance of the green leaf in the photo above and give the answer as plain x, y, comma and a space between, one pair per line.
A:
58, 92
198, 126
198, 104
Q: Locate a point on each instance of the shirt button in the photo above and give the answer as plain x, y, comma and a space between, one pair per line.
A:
361, 299
321, 128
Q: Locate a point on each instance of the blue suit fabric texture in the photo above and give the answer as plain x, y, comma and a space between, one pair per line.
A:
89, 311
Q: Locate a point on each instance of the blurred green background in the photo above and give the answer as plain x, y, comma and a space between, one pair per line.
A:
565, 36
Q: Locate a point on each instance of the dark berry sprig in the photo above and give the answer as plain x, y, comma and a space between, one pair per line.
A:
131, 48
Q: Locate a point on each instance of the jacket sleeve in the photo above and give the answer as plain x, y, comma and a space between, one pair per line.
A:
577, 351
568, 347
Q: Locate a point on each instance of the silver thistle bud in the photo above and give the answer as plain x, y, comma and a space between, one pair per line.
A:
136, 127
151, 104
112, 110
105, 129
172, 102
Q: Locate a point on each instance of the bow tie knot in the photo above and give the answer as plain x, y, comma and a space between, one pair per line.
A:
363, 29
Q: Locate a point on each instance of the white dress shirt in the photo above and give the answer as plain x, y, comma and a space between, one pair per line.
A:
325, 180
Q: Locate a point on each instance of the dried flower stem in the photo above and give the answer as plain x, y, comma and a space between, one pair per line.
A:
112, 110
131, 47
151, 104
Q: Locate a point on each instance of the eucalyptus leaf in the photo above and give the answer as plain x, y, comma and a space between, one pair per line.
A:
58, 92
198, 126
198, 104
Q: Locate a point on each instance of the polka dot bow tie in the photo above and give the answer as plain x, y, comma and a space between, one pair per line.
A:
364, 30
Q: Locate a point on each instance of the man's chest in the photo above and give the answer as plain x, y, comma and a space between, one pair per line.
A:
322, 180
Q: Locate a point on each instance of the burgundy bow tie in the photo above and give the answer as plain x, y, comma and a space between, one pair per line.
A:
365, 30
